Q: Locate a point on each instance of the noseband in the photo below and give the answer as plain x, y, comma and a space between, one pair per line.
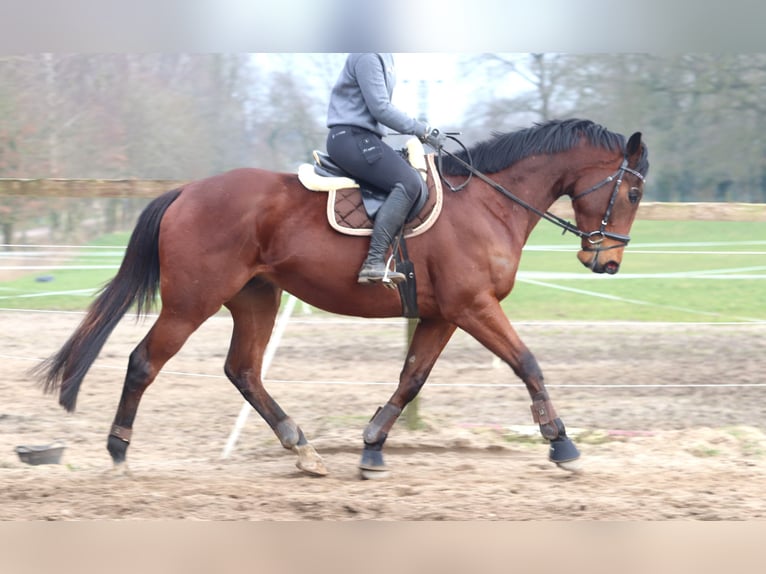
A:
594, 237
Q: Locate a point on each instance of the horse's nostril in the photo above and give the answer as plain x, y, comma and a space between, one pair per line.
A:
612, 267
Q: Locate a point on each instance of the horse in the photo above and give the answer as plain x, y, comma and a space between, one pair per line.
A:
240, 239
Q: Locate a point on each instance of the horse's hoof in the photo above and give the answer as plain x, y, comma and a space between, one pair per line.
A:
315, 469
118, 470
563, 450
373, 474
309, 461
571, 465
372, 465
565, 454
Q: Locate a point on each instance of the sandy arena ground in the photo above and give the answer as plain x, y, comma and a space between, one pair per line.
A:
656, 443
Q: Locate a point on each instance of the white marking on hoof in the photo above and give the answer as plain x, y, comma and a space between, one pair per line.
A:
369, 474
571, 465
309, 461
120, 470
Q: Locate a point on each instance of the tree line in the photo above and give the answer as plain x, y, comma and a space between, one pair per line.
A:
185, 116
703, 115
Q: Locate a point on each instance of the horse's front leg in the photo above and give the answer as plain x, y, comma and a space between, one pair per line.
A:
562, 450
490, 326
428, 341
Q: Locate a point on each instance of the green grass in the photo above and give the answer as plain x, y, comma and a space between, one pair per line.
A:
28, 292
582, 295
560, 288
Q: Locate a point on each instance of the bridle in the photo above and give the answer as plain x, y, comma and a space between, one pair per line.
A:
595, 238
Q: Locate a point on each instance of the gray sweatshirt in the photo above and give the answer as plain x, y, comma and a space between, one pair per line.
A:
362, 97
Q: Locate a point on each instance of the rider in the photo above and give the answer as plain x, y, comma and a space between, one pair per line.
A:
360, 109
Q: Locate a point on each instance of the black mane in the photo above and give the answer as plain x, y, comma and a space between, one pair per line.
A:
505, 149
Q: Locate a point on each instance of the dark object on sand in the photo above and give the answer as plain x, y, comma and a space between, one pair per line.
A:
41, 454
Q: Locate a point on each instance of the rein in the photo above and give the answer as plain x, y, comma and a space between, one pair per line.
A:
593, 237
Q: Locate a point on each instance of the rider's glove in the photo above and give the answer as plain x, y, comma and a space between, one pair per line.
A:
435, 138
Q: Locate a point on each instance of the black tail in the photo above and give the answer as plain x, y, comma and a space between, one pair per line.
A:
137, 281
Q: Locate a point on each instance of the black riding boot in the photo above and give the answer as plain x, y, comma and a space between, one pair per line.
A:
388, 222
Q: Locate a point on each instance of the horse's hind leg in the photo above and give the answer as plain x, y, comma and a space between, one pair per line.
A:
254, 311
165, 338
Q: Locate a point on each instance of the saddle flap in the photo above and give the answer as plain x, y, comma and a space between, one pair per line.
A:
347, 214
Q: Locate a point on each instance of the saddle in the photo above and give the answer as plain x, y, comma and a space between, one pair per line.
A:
351, 206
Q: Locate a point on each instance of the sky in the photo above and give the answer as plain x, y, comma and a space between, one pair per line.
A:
447, 96
449, 93
436, 74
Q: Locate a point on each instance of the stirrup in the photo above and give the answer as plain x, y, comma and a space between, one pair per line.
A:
389, 278
393, 278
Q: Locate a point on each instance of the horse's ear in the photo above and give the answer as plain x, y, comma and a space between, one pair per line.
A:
634, 146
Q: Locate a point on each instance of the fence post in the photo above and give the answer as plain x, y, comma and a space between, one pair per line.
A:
412, 410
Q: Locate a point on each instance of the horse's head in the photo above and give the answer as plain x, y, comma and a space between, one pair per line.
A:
604, 211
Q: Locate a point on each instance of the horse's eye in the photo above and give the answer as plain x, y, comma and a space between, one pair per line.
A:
634, 195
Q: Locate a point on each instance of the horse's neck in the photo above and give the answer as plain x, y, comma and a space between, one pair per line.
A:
538, 189
539, 182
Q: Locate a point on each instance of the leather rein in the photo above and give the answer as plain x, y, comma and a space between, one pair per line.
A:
593, 237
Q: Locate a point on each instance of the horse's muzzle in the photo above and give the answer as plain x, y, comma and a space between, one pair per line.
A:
591, 260
610, 267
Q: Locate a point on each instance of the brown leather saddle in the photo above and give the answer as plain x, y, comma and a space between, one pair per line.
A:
350, 207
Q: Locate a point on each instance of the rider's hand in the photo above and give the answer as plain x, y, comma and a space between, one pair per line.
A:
435, 138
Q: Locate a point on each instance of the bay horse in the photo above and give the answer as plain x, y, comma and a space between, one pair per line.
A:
241, 238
